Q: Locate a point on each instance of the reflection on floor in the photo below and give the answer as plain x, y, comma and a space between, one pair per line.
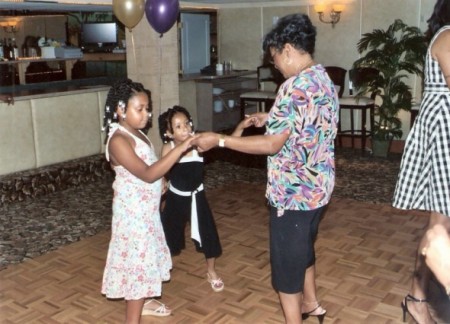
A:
365, 256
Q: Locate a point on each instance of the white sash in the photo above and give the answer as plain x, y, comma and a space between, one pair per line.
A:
195, 233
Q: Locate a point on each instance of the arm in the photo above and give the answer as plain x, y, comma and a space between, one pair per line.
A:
121, 150
166, 148
258, 144
440, 50
257, 120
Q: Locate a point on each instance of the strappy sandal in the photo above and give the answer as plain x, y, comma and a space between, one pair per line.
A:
160, 311
216, 284
404, 304
316, 311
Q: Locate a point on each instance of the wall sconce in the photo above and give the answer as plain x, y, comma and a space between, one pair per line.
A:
10, 27
335, 14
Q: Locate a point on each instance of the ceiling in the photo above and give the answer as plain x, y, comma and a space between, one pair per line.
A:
12, 6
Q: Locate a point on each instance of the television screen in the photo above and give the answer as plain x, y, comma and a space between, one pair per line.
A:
96, 33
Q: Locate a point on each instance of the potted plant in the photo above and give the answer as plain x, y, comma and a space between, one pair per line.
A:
396, 53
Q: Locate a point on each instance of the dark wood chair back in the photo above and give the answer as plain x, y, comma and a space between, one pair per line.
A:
268, 73
337, 75
358, 76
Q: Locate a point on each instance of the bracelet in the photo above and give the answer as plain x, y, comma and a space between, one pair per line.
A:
222, 140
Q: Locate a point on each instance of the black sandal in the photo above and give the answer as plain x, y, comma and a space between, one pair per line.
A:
320, 316
404, 304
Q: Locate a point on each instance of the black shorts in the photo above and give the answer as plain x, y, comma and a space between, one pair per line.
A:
292, 239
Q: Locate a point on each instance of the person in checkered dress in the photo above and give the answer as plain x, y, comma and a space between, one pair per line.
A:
424, 178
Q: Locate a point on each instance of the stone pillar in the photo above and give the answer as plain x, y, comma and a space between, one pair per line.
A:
153, 61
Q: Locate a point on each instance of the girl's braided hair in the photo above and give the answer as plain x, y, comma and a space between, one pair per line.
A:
165, 121
119, 94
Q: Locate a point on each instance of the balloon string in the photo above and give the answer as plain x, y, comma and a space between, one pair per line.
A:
134, 51
160, 76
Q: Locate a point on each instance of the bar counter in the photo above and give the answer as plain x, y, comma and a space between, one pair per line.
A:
215, 75
56, 88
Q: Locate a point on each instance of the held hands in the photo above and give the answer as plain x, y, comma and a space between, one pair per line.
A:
188, 143
206, 141
257, 120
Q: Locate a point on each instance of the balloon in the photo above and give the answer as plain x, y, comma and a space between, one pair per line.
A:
162, 14
129, 12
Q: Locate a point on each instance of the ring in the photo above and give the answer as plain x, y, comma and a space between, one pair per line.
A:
424, 251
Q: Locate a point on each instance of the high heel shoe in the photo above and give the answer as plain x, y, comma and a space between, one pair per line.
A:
404, 304
320, 316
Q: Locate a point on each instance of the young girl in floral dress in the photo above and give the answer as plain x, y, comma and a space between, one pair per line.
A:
138, 259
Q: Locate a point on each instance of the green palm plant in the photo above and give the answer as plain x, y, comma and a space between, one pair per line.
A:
396, 53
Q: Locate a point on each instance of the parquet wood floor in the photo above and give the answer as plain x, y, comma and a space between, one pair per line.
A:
365, 259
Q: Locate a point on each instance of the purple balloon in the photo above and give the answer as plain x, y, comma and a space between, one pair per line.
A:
162, 14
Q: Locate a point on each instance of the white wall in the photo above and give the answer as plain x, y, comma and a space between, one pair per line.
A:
242, 29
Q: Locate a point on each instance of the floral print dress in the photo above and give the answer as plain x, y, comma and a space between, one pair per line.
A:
138, 258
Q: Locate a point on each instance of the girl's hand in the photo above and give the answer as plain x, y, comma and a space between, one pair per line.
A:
249, 120
259, 119
187, 143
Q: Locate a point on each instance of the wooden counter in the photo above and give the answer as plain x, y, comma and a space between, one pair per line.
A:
211, 110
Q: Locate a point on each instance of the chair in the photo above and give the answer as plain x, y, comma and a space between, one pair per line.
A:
356, 106
337, 75
267, 76
358, 76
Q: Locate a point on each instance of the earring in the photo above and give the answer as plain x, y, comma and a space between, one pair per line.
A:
115, 116
124, 116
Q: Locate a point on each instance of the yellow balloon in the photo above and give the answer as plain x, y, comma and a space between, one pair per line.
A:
129, 12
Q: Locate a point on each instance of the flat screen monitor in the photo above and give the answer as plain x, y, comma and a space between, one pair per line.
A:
99, 33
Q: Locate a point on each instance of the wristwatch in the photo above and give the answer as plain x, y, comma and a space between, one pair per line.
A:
222, 140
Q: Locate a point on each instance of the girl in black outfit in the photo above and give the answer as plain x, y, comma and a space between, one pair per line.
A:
186, 199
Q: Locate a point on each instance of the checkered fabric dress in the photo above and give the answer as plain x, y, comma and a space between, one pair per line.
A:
424, 178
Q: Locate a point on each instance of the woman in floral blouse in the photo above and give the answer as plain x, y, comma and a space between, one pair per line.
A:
299, 141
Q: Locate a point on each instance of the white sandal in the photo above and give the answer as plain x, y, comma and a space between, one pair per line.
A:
216, 284
162, 310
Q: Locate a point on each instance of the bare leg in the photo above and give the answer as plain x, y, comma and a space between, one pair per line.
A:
291, 307
211, 267
134, 310
310, 301
215, 281
421, 276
